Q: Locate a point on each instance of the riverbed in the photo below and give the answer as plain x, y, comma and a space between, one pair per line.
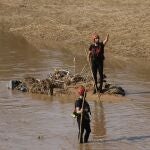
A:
38, 122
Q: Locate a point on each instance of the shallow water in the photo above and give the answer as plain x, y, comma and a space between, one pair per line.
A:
42, 122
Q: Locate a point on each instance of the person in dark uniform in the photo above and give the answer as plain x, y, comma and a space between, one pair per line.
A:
83, 113
96, 58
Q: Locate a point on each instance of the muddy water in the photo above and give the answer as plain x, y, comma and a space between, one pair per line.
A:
38, 122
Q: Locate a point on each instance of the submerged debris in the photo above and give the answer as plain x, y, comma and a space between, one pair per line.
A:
112, 89
61, 81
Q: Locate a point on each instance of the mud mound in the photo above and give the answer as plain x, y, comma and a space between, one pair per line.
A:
61, 81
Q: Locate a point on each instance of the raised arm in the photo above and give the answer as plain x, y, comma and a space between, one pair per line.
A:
106, 39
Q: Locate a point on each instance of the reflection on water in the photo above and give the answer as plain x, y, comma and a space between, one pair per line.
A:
38, 122
99, 129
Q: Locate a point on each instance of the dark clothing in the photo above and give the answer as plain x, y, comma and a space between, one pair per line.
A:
97, 58
97, 66
97, 51
86, 108
85, 125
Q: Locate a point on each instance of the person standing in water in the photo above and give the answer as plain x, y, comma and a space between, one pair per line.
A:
82, 109
96, 58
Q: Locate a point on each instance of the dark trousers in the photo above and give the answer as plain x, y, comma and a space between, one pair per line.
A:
97, 66
84, 126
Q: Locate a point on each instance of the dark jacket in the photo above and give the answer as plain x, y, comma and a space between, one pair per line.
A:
86, 109
97, 52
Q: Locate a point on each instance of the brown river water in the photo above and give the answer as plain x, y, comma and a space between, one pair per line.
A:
41, 122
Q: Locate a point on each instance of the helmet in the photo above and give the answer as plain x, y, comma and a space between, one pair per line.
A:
81, 91
95, 36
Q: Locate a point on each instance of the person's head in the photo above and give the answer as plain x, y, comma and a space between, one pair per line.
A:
82, 91
95, 38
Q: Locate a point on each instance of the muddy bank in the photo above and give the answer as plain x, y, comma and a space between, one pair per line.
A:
68, 24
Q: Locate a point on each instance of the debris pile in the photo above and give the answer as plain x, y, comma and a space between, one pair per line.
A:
60, 80
112, 89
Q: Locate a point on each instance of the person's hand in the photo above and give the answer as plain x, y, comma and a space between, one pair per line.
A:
107, 35
81, 110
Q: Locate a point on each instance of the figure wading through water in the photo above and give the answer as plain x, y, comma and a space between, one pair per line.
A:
82, 108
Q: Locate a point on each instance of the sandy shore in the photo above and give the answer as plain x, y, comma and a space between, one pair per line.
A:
68, 24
